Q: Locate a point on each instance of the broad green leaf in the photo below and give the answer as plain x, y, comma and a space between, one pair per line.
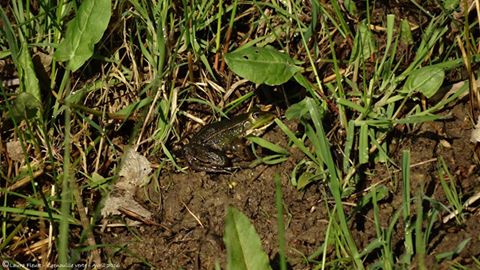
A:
83, 32
262, 65
244, 249
28, 77
426, 80
450, 5
364, 45
350, 7
25, 106
297, 111
305, 179
406, 37
19, 52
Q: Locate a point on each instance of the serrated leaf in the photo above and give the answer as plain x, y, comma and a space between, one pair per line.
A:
83, 32
244, 249
426, 80
262, 65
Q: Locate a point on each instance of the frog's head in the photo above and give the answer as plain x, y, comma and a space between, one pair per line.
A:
257, 121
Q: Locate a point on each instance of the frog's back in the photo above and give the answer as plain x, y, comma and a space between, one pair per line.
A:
219, 135
209, 131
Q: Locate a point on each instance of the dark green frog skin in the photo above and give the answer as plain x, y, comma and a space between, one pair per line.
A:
214, 147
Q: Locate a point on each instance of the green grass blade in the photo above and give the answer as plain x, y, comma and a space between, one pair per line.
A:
268, 145
420, 248
294, 139
348, 145
408, 229
39, 214
363, 144
450, 190
335, 185
280, 223
406, 184
63, 234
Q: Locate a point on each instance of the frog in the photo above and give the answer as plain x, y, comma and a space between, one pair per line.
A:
215, 146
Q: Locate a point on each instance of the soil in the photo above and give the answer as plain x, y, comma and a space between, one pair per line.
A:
191, 206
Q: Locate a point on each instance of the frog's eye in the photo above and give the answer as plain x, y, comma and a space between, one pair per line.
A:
255, 115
